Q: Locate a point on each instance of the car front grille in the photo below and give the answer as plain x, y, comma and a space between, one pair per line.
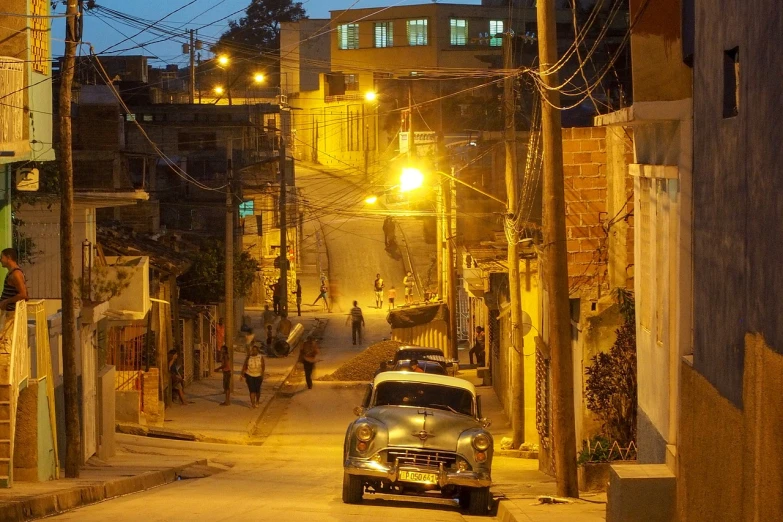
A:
422, 458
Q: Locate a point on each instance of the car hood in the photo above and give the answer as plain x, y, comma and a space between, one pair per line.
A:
420, 427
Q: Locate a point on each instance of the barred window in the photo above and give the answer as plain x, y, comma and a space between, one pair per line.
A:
459, 31
384, 34
495, 29
417, 32
348, 36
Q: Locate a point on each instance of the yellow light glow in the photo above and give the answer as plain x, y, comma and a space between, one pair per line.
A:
371, 200
219, 90
258, 78
223, 59
411, 179
370, 96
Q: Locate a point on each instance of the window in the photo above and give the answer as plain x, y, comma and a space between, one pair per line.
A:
351, 82
384, 34
731, 78
247, 208
459, 31
348, 36
495, 30
417, 32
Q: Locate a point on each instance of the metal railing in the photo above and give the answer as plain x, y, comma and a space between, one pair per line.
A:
43, 364
127, 345
18, 367
12, 94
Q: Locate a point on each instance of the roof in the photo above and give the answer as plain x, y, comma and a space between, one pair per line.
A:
162, 256
425, 378
436, 351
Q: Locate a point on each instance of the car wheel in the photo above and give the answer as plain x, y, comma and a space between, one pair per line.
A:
353, 489
479, 501
464, 498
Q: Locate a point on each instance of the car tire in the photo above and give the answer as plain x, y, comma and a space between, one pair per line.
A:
464, 498
479, 501
353, 489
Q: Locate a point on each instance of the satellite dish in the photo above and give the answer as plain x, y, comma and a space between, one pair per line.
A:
527, 323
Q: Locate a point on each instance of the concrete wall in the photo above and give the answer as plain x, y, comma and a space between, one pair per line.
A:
33, 442
303, 55
136, 297
106, 412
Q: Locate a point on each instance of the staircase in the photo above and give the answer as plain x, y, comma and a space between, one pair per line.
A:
14, 373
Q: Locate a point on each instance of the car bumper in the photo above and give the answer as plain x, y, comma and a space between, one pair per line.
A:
373, 469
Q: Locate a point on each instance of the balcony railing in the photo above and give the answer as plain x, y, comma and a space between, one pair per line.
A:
12, 94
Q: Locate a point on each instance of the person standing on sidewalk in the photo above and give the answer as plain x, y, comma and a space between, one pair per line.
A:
298, 294
308, 356
14, 289
177, 379
227, 368
479, 349
253, 372
276, 296
378, 286
357, 322
268, 316
408, 282
392, 296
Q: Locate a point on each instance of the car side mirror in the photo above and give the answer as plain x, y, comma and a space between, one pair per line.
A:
390, 363
485, 422
358, 411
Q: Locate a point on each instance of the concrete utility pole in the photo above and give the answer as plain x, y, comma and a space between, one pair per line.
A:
515, 354
229, 296
411, 145
285, 126
556, 264
447, 187
192, 72
73, 30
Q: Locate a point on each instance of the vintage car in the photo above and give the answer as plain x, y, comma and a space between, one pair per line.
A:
425, 353
424, 366
419, 432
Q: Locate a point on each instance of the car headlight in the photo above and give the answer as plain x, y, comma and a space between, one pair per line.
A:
364, 432
481, 442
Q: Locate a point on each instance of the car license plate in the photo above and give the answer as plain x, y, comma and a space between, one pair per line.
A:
415, 476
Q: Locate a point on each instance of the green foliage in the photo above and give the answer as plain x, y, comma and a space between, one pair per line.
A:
611, 378
105, 283
259, 29
597, 450
205, 281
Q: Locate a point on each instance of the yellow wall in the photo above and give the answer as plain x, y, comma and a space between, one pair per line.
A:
531, 304
730, 461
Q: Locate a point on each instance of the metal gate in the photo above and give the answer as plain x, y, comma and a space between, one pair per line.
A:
463, 313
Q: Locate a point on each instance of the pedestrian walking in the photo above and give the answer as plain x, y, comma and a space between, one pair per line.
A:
227, 368
253, 373
389, 231
479, 349
177, 378
14, 290
268, 316
408, 282
276, 296
378, 286
308, 355
357, 322
392, 295
322, 295
298, 294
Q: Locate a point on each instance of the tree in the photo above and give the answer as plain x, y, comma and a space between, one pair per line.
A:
259, 30
205, 281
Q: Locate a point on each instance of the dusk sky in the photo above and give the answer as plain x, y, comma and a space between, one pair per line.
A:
208, 17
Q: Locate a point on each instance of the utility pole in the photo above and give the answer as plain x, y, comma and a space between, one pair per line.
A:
285, 125
73, 25
192, 72
229, 297
515, 358
556, 264
447, 188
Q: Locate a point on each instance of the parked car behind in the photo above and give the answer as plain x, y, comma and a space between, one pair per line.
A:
425, 353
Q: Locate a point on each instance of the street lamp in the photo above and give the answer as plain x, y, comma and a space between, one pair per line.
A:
258, 78
223, 60
219, 90
371, 200
370, 96
411, 179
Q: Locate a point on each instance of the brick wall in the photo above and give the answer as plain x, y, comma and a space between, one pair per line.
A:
584, 165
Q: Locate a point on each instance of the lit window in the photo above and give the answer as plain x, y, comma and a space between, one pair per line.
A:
417, 32
495, 30
348, 36
351, 82
384, 34
459, 31
246, 208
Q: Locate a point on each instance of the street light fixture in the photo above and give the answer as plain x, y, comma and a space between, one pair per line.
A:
371, 200
223, 59
370, 96
411, 179
219, 90
258, 78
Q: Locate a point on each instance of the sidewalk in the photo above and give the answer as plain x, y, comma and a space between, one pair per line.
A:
99, 480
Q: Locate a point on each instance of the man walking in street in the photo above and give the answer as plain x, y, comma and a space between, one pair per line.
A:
276, 296
378, 286
298, 294
357, 322
388, 231
308, 357
227, 368
408, 282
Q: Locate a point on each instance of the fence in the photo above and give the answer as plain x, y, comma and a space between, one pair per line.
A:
126, 351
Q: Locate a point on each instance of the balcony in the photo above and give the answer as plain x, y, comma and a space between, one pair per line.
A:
12, 109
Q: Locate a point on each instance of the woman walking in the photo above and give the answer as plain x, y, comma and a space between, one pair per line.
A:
322, 294
253, 372
308, 355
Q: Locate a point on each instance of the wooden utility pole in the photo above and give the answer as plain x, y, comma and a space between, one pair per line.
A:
230, 322
555, 262
285, 126
192, 71
515, 358
73, 443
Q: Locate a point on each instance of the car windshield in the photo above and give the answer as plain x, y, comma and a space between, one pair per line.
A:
391, 393
421, 355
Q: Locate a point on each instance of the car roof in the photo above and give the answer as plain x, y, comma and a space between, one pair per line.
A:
421, 349
427, 378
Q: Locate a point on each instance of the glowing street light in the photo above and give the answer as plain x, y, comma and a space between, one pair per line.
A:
370, 96
258, 78
371, 200
219, 90
411, 179
223, 59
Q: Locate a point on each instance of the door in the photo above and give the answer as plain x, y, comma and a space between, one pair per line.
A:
89, 392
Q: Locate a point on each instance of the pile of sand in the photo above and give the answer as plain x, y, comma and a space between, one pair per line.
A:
362, 367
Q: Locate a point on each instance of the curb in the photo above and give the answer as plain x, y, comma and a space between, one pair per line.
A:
49, 504
508, 512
